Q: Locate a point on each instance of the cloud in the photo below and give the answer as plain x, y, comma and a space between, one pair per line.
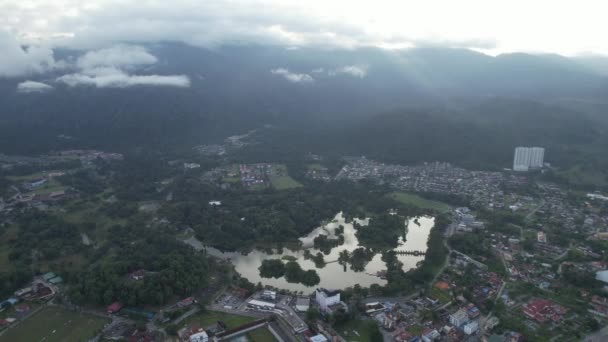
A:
16, 60
352, 70
113, 68
115, 78
120, 56
33, 87
293, 77
291, 23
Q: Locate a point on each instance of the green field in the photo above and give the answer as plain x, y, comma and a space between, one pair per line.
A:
583, 176
54, 324
210, 318
261, 335
284, 182
442, 296
281, 180
362, 327
420, 202
316, 167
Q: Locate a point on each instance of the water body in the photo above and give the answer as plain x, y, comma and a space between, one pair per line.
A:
333, 275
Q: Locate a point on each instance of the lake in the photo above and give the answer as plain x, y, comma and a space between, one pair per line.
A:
334, 275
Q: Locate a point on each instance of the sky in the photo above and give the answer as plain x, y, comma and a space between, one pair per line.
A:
538, 26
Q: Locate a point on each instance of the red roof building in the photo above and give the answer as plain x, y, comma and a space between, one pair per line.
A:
22, 308
186, 302
114, 307
542, 310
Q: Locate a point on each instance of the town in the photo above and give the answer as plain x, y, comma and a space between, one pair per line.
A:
525, 256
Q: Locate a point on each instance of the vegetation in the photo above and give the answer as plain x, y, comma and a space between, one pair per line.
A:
359, 330
272, 268
208, 318
293, 273
418, 201
382, 231
54, 324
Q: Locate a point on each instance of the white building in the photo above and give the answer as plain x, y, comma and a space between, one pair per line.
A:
302, 304
528, 158
471, 327
318, 338
199, 337
326, 298
269, 295
459, 318
541, 237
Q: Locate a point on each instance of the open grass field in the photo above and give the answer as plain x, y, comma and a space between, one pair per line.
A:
584, 176
261, 335
412, 199
316, 167
440, 295
281, 180
284, 182
356, 330
55, 325
206, 319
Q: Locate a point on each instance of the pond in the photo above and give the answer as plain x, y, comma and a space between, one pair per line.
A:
334, 275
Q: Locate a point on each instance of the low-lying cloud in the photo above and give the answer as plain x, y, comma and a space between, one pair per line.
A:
120, 56
33, 87
352, 70
16, 60
115, 78
113, 68
293, 77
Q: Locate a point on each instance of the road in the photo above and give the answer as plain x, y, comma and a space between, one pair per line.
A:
448, 233
537, 208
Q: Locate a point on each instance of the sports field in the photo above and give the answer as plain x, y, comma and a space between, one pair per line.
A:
55, 325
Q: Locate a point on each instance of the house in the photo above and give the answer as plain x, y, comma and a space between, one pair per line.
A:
186, 302
442, 285
269, 295
23, 292
459, 318
22, 308
260, 305
114, 308
318, 338
35, 183
326, 298
48, 276
199, 337
542, 310
471, 327
57, 280
137, 275
302, 304
190, 166
429, 335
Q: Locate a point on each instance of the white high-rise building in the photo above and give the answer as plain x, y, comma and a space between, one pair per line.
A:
528, 158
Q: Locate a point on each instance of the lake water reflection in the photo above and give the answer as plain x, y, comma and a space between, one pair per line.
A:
334, 275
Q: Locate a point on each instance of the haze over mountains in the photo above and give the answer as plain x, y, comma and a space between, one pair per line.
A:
170, 93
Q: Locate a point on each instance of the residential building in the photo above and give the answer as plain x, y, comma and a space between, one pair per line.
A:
526, 158
429, 335
471, 327
302, 304
542, 310
269, 295
541, 237
326, 298
459, 318
318, 338
199, 337
114, 307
